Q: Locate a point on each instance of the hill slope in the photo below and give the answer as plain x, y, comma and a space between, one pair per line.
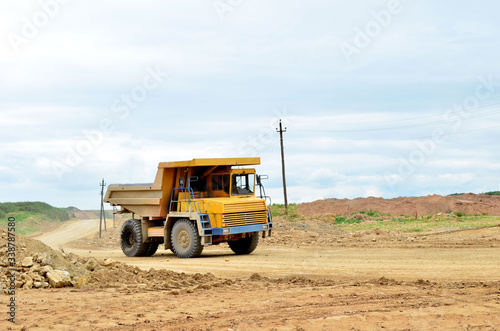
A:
32, 216
472, 204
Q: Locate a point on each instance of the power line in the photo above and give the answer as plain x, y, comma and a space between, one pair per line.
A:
407, 119
406, 126
424, 137
454, 133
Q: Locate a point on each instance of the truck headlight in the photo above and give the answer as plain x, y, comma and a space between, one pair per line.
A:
227, 231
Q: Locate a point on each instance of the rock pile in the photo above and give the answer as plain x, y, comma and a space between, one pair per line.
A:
39, 266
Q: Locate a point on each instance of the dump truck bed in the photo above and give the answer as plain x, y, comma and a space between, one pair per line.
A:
141, 199
152, 199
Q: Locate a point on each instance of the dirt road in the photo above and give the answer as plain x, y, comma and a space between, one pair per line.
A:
467, 263
69, 231
474, 264
446, 281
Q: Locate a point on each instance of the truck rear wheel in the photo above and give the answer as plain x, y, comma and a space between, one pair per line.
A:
245, 245
152, 248
131, 239
185, 240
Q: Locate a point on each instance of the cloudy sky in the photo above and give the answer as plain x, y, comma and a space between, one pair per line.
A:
379, 98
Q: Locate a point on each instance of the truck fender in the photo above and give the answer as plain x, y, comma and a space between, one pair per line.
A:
169, 224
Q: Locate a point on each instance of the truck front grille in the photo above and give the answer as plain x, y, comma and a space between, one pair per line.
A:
244, 207
248, 218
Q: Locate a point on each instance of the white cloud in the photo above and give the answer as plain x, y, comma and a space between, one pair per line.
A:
227, 78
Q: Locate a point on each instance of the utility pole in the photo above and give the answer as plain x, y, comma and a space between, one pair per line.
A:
103, 215
281, 130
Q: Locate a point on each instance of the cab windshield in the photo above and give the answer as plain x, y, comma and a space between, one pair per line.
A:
243, 184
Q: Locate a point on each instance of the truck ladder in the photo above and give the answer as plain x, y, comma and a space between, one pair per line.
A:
206, 226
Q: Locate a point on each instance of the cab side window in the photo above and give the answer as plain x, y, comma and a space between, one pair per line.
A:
220, 183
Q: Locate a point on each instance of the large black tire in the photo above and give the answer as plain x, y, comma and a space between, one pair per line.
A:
152, 248
185, 240
131, 239
245, 245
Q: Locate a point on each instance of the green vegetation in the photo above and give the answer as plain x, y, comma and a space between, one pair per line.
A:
293, 211
345, 220
277, 209
59, 214
368, 220
443, 223
371, 213
487, 193
32, 216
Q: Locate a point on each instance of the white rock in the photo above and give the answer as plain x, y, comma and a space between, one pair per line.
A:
45, 269
58, 278
27, 262
108, 262
91, 265
46, 261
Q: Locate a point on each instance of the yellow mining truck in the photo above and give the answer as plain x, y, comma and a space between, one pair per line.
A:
192, 204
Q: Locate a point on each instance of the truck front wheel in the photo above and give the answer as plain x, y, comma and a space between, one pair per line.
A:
131, 239
245, 245
185, 240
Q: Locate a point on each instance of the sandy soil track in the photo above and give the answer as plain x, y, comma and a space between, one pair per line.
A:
68, 232
452, 282
473, 264
405, 263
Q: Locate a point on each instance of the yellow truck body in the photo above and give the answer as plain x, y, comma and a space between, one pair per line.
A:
213, 200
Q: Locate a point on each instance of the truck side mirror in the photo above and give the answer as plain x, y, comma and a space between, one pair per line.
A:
260, 178
192, 179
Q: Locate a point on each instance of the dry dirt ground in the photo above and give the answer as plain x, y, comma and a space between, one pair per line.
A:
413, 206
305, 277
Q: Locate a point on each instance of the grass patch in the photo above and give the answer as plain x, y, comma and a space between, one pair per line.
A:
32, 216
371, 213
408, 224
344, 220
59, 214
293, 211
487, 193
